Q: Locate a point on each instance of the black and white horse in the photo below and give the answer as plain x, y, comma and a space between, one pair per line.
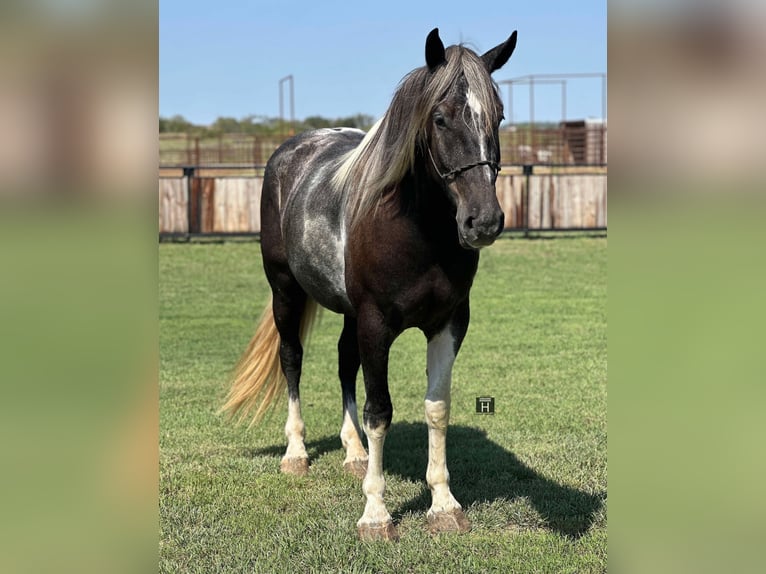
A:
385, 228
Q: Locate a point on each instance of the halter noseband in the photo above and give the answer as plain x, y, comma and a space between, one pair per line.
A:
457, 171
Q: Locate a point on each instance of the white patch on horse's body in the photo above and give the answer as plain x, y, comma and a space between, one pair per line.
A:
328, 248
441, 356
342, 129
313, 218
340, 252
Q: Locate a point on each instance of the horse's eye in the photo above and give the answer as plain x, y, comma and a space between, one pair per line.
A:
440, 121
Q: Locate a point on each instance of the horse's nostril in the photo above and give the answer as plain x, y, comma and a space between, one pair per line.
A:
469, 223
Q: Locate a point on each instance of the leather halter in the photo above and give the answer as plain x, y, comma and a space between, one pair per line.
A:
457, 171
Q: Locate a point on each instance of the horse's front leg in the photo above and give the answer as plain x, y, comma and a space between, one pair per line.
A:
445, 514
375, 340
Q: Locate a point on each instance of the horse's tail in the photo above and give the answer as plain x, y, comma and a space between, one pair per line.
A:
258, 378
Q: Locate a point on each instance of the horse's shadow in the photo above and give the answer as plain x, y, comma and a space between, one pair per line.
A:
480, 471
483, 471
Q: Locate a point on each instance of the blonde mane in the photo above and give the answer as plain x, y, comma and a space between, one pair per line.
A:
373, 169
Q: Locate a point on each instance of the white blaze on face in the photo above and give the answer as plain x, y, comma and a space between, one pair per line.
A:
476, 116
475, 105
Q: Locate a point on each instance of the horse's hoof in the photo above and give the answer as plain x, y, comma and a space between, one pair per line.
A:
356, 467
378, 531
296, 466
450, 521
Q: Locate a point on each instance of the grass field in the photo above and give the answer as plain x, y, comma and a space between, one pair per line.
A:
532, 478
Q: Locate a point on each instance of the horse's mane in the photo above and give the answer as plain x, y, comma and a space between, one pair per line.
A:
366, 174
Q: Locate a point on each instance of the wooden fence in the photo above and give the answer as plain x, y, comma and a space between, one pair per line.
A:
227, 201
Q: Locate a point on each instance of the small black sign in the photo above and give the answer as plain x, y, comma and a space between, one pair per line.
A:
485, 405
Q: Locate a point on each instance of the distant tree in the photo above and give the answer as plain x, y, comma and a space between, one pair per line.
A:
254, 125
359, 121
316, 122
225, 125
176, 124
260, 125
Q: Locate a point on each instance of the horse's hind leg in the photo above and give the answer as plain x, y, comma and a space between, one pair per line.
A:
350, 432
289, 304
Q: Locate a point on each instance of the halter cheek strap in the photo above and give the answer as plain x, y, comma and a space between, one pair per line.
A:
457, 171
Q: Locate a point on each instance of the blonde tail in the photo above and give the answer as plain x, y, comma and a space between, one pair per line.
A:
258, 378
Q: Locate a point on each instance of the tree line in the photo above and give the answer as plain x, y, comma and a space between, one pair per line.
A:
260, 125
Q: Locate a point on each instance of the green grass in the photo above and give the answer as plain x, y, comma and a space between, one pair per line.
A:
532, 478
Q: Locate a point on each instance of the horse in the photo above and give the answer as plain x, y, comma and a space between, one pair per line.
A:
384, 228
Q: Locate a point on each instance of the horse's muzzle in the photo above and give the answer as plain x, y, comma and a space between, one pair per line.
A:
481, 230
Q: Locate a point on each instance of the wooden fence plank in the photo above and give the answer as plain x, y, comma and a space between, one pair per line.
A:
173, 205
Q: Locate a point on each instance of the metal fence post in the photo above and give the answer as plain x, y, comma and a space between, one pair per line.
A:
192, 201
527, 172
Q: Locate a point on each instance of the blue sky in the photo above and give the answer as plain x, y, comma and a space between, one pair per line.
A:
226, 58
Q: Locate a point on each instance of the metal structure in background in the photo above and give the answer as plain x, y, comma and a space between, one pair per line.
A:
572, 142
560, 79
292, 102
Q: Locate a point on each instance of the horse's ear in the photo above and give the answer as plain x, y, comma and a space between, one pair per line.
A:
434, 50
498, 56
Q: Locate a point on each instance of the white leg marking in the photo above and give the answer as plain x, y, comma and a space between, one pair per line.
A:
374, 485
351, 435
441, 356
295, 431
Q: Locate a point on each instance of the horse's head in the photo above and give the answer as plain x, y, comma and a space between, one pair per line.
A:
462, 144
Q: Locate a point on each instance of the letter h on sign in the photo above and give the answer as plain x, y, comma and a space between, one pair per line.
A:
485, 405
